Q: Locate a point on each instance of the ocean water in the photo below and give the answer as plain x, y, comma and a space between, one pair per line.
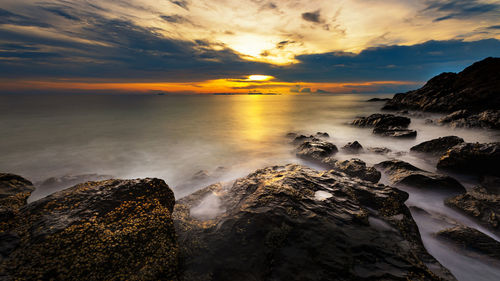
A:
226, 137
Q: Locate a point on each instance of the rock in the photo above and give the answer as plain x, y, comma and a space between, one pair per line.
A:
107, 230
294, 223
480, 204
353, 147
472, 158
291, 135
382, 120
378, 99
472, 239
387, 125
302, 138
491, 184
379, 150
322, 135
475, 88
201, 175
437, 146
14, 191
357, 168
316, 150
467, 119
403, 173
395, 132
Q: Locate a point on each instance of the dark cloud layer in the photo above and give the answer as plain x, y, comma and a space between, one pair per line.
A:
312, 16
460, 9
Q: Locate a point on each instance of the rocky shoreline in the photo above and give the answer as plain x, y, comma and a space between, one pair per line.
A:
286, 222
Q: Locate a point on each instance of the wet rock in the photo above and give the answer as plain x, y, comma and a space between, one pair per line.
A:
322, 135
382, 120
316, 150
480, 204
472, 158
491, 184
379, 150
294, 223
107, 230
475, 88
472, 239
302, 138
353, 147
14, 191
403, 173
437, 146
387, 125
468, 119
357, 168
395, 132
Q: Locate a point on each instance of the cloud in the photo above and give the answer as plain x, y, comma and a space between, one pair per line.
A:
181, 3
61, 12
175, 18
312, 16
7, 17
389, 63
460, 9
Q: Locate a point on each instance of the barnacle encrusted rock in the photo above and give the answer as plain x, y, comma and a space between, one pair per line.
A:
295, 223
105, 230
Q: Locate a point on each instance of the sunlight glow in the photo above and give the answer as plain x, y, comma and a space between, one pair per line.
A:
260, 77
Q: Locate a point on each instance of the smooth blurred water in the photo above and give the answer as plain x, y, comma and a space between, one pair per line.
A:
173, 137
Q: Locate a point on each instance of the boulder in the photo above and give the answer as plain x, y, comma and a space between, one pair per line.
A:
468, 119
476, 88
357, 168
106, 230
14, 192
437, 146
471, 239
395, 132
403, 173
472, 158
316, 150
382, 120
379, 150
294, 223
353, 147
480, 204
54, 184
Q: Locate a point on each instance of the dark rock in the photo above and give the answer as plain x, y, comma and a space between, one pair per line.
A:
302, 138
353, 147
403, 173
294, 223
357, 168
316, 150
382, 121
491, 184
387, 125
379, 150
472, 158
378, 99
467, 119
479, 204
472, 239
14, 191
201, 175
108, 230
475, 88
437, 146
291, 135
395, 132
322, 135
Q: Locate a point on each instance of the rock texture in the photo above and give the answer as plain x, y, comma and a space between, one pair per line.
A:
437, 146
403, 173
472, 239
353, 147
295, 223
316, 150
387, 125
472, 158
355, 168
480, 204
107, 230
468, 119
14, 191
476, 88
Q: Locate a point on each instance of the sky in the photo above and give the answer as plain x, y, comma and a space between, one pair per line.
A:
240, 46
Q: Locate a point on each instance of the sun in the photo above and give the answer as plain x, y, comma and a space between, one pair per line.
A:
256, 77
